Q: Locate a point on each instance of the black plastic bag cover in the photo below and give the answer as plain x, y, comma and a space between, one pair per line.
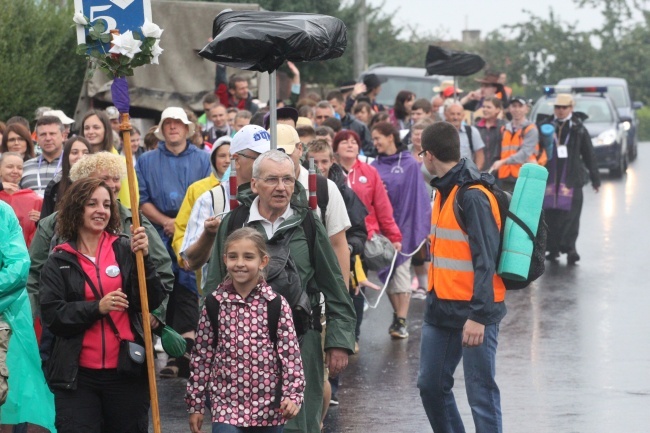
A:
441, 61
262, 41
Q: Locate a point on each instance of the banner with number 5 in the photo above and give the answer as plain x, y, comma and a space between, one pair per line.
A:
123, 15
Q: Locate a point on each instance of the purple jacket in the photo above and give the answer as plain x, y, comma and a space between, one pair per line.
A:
408, 194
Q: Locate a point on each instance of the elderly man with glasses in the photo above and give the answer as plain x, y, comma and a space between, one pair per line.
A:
272, 208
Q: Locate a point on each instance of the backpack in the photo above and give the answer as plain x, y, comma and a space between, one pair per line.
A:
282, 272
274, 307
323, 196
537, 263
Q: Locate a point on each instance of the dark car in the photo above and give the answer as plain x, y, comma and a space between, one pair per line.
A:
606, 128
619, 93
397, 78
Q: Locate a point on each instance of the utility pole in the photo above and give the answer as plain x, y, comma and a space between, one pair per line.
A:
361, 40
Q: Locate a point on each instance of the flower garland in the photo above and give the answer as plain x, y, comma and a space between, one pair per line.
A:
128, 50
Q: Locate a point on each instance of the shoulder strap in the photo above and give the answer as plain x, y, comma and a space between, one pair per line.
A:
459, 213
323, 197
273, 314
212, 306
468, 131
218, 200
309, 227
99, 298
238, 218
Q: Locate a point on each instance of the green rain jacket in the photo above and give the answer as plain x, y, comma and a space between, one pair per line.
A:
41, 245
339, 311
29, 399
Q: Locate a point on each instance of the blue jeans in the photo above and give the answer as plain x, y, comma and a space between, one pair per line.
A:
218, 427
440, 353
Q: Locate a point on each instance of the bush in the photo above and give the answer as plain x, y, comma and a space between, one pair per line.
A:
644, 123
37, 54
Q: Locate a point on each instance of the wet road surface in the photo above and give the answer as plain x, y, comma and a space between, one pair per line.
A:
573, 350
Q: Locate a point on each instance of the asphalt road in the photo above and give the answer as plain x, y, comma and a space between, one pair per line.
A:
573, 355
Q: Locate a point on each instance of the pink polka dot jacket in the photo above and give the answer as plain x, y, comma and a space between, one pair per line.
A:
241, 374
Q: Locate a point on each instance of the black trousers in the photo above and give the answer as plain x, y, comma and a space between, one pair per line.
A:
104, 402
183, 308
563, 226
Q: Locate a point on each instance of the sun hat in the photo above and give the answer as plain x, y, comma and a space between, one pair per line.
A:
174, 113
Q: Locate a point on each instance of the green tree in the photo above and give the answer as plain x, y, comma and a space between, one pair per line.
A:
39, 64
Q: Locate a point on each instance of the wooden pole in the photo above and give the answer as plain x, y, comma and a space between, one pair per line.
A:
125, 127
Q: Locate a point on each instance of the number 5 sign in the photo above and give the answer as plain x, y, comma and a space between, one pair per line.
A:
122, 15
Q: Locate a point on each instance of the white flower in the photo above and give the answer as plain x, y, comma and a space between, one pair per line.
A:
80, 19
155, 52
151, 30
126, 45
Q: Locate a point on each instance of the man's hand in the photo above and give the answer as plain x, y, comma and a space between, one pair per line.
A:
294, 70
358, 89
473, 333
337, 360
497, 165
153, 322
211, 224
168, 227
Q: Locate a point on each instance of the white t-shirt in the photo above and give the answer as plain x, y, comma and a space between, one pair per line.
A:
336, 213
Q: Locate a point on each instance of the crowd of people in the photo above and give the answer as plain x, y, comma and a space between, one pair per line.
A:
266, 286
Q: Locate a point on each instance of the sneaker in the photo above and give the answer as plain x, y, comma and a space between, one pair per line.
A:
400, 329
170, 370
334, 400
393, 326
419, 293
356, 347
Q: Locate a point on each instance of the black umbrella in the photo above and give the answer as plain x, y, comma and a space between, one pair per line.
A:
262, 41
441, 61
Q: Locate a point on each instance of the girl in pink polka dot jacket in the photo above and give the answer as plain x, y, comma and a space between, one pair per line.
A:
241, 369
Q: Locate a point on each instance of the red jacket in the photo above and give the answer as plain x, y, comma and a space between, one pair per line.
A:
100, 345
22, 202
366, 183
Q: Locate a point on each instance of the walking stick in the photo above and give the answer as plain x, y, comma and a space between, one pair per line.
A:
125, 127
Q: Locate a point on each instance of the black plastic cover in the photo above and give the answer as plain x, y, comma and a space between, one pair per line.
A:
262, 41
441, 61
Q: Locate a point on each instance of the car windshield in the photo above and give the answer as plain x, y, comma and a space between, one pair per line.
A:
422, 87
618, 96
596, 108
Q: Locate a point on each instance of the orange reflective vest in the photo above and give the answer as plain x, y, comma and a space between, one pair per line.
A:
451, 273
510, 144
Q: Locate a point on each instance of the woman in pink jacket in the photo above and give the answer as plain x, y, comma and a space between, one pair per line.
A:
368, 186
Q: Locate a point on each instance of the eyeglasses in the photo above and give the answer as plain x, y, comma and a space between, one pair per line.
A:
421, 154
560, 107
275, 181
243, 155
17, 140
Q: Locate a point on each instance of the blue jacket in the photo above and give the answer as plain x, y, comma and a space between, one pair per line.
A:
164, 177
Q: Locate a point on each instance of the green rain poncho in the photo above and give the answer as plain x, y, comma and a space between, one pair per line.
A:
29, 399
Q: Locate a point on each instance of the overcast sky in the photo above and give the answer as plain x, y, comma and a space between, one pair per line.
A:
450, 17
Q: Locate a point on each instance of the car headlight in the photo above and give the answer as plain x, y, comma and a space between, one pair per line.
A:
605, 138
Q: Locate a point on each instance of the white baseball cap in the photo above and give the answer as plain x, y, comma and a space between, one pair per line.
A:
61, 115
174, 113
287, 138
252, 137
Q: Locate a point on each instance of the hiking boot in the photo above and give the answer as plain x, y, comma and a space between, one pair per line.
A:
400, 330
170, 370
419, 293
572, 257
552, 256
